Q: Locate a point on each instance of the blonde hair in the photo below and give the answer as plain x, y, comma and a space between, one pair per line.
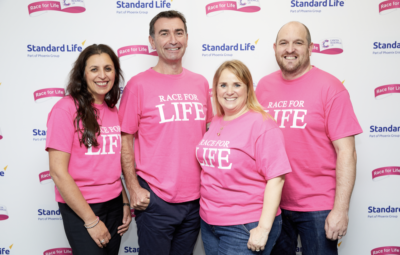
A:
241, 71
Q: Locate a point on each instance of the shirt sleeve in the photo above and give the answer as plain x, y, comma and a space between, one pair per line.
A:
340, 120
130, 110
60, 130
271, 157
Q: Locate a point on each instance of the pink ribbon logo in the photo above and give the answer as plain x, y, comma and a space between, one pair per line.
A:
385, 171
332, 46
45, 177
58, 251
3, 213
238, 5
50, 92
388, 250
70, 6
386, 89
134, 50
388, 6
133, 213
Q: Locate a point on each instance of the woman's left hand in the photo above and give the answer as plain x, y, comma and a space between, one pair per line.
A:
258, 239
126, 220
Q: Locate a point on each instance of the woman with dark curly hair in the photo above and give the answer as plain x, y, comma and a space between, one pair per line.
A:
84, 144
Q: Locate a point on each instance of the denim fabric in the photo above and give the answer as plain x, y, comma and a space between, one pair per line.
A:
228, 240
167, 228
311, 228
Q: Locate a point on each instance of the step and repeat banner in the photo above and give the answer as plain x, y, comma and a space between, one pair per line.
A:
357, 41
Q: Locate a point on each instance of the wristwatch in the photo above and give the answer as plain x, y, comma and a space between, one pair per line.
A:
126, 204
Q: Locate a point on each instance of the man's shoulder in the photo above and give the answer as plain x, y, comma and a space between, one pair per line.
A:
270, 78
329, 79
327, 82
274, 75
138, 80
142, 76
192, 75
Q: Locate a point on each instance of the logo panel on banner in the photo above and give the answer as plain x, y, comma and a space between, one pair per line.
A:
58, 251
388, 6
385, 172
316, 6
69, 6
329, 46
219, 7
142, 6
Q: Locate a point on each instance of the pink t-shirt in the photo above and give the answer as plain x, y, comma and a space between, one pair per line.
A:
168, 115
236, 166
97, 170
312, 111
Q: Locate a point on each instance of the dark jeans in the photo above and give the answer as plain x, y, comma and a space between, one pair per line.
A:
110, 212
311, 228
229, 240
167, 228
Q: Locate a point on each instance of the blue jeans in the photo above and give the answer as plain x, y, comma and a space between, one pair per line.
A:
167, 228
228, 240
311, 228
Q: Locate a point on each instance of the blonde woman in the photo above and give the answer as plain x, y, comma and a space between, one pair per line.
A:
244, 163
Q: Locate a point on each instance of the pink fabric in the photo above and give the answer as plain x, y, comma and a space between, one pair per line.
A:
96, 171
168, 115
317, 110
236, 167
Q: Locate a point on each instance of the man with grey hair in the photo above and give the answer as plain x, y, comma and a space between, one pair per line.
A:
314, 111
166, 109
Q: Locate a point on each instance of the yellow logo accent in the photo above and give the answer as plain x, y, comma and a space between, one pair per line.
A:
5, 168
343, 81
257, 41
339, 244
11, 246
83, 43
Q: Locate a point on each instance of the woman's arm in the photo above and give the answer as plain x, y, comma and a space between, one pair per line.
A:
272, 198
73, 197
127, 218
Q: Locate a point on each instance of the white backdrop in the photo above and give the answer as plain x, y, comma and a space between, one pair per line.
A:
357, 41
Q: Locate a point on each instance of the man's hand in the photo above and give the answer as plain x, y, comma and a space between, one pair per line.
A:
336, 224
140, 198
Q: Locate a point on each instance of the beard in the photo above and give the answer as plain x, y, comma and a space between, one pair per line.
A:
301, 64
288, 69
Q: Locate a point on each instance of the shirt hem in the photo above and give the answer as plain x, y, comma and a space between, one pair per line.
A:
279, 174
305, 210
156, 191
128, 132
173, 201
248, 220
91, 202
56, 148
355, 132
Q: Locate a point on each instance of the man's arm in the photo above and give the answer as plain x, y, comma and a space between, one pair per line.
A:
139, 197
337, 221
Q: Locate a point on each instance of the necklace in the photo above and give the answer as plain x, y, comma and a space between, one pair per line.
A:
229, 121
222, 125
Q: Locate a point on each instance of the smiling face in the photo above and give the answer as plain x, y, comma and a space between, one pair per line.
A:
292, 50
99, 75
170, 39
231, 93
